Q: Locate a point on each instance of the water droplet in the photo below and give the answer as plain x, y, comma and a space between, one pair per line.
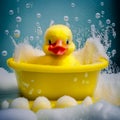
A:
66, 18
113, 24
89, 21
17, 33
31, 91
6, 32
108, 21
76, 19
11, 12
4, 53
75, 79
38, 15
28, 5
18, 19
83, 81
97, 15
39, 91
86, 75
32, 80
73, 4
31, 38
102, 3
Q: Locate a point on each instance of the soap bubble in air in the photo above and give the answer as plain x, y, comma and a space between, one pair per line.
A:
11, 12
18, 19
66, 18
113, 52
37, 37
113, 24
38, 15
31, 38
28, 5
102, 3
37, 24
4, 53
89, 21
97, 15
76, 19
39, 31
6, 32
73, 4
108, 21
17, 33
102, 12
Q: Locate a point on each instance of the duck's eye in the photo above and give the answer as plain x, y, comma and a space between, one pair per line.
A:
49, 42
67, 42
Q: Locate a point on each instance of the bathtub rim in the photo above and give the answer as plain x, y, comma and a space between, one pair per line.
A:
57, 69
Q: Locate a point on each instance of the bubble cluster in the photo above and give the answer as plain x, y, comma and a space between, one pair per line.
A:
66, 18
4, 53
18, 19
11, 12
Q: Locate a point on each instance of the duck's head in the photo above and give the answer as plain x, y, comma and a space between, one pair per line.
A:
58, 40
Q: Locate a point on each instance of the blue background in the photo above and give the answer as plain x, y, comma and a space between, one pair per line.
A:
78, 11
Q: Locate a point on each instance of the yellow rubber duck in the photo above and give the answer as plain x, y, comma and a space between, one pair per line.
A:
58, 47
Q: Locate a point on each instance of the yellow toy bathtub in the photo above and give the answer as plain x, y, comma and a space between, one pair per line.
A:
55, 81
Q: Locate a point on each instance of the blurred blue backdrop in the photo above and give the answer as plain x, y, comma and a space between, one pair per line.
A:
28, 19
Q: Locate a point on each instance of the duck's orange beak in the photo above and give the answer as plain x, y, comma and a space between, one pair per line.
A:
58, 48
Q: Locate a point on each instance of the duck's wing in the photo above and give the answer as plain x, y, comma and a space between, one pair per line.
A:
91, 52
25, 52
